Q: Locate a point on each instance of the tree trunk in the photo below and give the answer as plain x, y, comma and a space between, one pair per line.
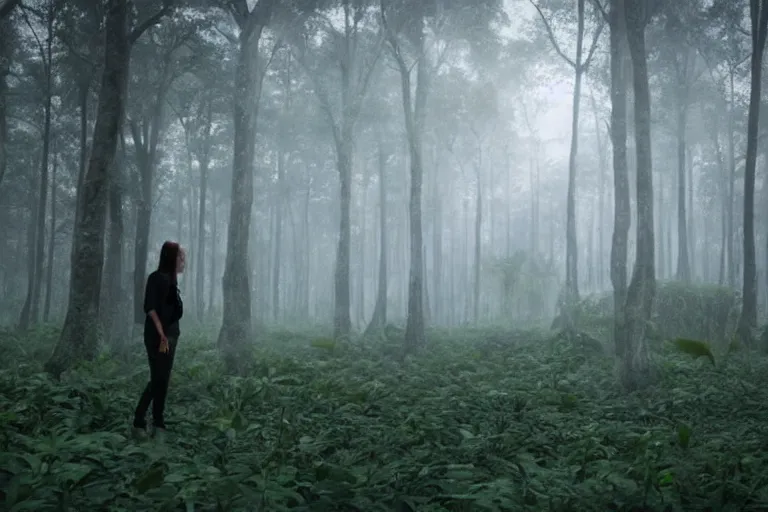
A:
683, 263
478, 241
748, 318
5, 66
83, 90
571, 244
79, 338
145, 140
636, 364
236, 327
204, 160
437, 243
600, 197
731, 183
214, 245
379, 319
51, 245
415, 112
115, 293
622, 214
342, 322
278, 235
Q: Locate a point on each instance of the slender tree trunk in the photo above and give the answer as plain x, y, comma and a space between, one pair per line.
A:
601, 196
437, 242
204, 160
379, 318
214, 245
571, 244
731, 183
635, 370
622, 214
51, 244
415, 324
748, 318
79, 337
278, 237
683, 264
478, 239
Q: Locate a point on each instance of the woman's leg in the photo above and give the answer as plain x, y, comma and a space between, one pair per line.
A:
160, 383
140, 415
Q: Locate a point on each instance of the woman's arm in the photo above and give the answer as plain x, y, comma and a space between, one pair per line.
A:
158, 324
154, 296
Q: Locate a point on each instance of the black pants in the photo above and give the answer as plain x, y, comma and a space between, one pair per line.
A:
160, 366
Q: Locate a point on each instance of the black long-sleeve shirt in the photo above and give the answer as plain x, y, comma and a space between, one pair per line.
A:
162, 295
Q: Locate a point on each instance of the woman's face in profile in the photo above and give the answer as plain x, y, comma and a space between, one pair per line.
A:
181, 261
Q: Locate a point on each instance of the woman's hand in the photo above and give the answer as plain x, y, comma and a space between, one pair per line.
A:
163, 344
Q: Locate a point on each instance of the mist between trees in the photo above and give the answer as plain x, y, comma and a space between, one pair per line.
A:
354, 164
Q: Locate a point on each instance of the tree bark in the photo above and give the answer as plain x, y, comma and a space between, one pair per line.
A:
414, 110
683, 262
5, 66
204, 160
236, 326
51, 244
79, 338
622, 214
748, 318
636, 370
379, 319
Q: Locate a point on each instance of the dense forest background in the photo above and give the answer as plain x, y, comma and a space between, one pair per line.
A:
441, 255
438, 164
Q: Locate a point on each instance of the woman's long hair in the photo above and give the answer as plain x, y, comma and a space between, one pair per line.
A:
169, 254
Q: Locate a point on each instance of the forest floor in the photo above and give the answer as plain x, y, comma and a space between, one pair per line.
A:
482, 421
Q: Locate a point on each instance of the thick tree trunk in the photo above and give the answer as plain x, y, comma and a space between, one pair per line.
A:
83, 90
115, 302
342, 321
636, 364
622, 214
236, 326
79, 337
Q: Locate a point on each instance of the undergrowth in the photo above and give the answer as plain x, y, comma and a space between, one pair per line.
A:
481, 421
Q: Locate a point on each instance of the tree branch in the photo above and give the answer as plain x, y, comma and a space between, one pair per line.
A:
591, 52
142, 27
551, 35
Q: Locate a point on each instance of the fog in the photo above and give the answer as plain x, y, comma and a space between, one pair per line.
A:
361, 181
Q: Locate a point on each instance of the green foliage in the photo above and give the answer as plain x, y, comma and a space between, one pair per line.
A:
680, 311
698, 312
482, 420
694, 348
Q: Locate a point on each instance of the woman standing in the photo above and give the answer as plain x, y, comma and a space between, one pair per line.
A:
164, 309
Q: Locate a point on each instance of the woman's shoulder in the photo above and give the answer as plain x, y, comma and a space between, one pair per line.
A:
159, 277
